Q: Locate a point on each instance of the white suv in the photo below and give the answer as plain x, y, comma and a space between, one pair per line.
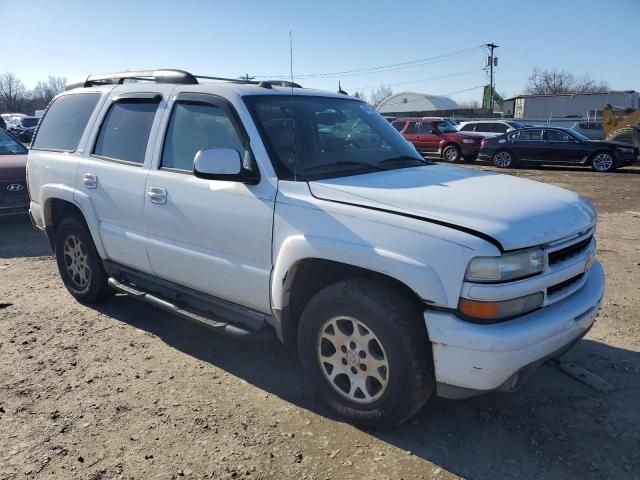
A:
257, 208
490, 128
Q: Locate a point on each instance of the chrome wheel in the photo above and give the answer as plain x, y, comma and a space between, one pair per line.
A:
502, 159
603, 162
352, 359
450, 154
75, 261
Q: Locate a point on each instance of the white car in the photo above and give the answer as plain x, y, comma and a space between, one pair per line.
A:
490, 128
251, 208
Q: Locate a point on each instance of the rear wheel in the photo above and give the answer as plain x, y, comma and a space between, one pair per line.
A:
365, 348
603, 162
79, 264
451, 153
503, 159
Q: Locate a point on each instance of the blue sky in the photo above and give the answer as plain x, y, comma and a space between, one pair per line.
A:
71, 38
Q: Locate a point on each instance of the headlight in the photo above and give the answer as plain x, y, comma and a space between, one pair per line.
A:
506, 267
489, 311
467, 140
625, 149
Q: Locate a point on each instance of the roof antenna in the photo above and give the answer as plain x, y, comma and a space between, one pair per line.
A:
293, 111
340, 89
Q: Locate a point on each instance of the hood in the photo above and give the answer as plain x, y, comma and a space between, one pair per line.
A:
607, 143
516, 212
13, 167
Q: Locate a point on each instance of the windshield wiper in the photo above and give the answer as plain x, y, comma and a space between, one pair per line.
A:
404, 159
347, 163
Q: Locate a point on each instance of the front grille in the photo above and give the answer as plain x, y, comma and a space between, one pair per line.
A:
568, 252
562, 285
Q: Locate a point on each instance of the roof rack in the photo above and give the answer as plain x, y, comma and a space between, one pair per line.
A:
166, 76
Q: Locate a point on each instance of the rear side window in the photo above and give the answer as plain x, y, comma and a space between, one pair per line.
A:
65, 121
194, 127
124, 133
535, 135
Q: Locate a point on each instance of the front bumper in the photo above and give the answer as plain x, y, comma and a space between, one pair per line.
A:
471, 359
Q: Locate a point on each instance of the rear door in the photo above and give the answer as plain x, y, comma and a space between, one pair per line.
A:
427, 137
530, 146
112, 171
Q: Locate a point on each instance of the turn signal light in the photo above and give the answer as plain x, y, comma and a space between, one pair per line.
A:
498, 310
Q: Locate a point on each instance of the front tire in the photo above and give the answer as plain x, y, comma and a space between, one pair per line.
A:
79, 264
451, 154
364, 347
603, 162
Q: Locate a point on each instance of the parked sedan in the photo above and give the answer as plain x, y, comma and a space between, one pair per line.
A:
14, 198
560, 146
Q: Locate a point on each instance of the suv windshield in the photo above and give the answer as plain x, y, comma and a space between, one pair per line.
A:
323, 137
9, 146
30, 122
446, 127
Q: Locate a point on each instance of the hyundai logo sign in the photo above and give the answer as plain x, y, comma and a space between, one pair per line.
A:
14, 187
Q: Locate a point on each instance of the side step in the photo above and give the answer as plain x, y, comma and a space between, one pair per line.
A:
215, 325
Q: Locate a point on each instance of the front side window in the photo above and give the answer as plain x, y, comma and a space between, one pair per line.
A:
124, 133
193, 127
531, 135
64, 122
425, 129
324, 137
557, 136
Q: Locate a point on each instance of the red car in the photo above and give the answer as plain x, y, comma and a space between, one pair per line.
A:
14, 198
438, 137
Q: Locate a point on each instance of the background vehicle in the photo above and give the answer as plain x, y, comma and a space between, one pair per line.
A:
3, 125
24, 127
622, 127
562, 146
439, 137
591, 130
14, 198
489, 128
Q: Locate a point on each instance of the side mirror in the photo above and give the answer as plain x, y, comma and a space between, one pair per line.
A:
218, 164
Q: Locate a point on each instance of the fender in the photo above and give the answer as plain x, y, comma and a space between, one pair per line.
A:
51, 191
418, 276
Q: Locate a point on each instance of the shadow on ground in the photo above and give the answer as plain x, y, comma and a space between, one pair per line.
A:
18, 238
544, 430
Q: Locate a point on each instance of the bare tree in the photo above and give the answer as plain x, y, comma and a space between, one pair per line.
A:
360, 95
551, 82
45, 91
12, 92
470, 104
381, 93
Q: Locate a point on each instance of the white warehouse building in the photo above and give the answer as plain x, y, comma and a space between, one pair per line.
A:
415, 102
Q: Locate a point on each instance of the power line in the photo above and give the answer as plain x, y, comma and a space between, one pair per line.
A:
421, 80
388, 67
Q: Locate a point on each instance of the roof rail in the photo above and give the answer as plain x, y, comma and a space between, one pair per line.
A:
165, 76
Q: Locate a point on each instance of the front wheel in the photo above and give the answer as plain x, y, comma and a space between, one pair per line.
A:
365, 349
79, 264
451, 153
603, 162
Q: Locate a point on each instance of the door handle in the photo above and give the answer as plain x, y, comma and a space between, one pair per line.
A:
90, 180
157, 195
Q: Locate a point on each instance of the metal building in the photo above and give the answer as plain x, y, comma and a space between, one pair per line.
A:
567, 105
415, 102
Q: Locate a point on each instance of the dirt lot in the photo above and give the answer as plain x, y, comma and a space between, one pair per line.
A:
127, 391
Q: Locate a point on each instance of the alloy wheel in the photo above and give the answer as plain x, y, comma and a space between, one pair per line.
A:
603, 162
502, 159
75, 261
450, 154
353, 360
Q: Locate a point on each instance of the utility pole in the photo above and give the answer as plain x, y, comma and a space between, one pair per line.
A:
246, 77
492, 62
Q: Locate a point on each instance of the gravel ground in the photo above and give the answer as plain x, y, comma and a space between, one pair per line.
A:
126, 391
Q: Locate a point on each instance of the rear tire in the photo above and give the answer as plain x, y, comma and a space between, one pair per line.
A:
603, 162
79, 264
451, 154
503, 159
364, 347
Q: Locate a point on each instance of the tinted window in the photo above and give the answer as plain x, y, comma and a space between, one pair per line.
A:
484, 127
65, 121
424, 129
557, 136
10, 146
398, 125
30, 122
531, 135
515, 125
500, 128
411, 129
194, 127
124, 133
468, 128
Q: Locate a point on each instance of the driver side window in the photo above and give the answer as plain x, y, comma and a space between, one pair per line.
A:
425, 129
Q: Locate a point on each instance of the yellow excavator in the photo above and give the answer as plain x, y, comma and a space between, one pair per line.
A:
621, 125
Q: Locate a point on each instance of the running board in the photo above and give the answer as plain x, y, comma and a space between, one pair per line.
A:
215, 325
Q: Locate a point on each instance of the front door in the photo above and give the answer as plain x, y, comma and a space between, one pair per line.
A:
564, 148
428, 138
213, 236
